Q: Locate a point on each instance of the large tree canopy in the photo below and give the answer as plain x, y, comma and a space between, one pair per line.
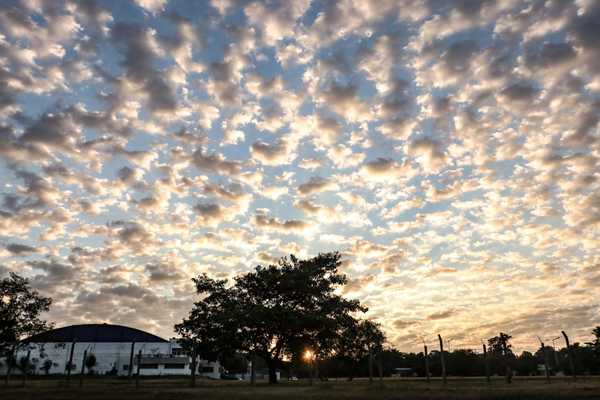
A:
272, 311
20, 309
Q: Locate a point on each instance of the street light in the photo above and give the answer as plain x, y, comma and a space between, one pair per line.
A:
555, 352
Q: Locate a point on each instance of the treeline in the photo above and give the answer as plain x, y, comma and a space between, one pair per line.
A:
459, 362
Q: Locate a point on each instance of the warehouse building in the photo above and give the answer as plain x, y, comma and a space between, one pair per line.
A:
117, 350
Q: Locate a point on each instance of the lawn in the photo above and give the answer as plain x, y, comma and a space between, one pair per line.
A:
178, 389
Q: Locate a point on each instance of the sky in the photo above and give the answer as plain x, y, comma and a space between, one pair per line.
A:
449, 150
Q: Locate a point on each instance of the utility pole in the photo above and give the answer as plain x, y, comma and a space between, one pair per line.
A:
426, 362
545, 354
442, 359
70, 363
486, 362
570, 354
82, 368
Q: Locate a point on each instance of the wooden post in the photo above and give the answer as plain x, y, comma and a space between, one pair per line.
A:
486, 362
70, 363
137, 375
442, 359
26, 367
370, 366
426, 362
570, 355
82, 368
130, 372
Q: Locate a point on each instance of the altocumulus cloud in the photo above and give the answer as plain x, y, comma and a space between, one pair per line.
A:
442, 148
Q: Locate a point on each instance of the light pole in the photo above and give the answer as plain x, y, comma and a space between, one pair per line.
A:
556, 366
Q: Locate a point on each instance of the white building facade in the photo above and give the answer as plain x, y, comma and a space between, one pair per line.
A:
118, 350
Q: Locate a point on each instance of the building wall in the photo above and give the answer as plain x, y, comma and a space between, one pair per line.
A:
110, 356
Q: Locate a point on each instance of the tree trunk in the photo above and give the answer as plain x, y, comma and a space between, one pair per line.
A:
10, 361
352, 370
486, 362
271, 364
426, 356
380, 367
370, 366
193, 367
253, 369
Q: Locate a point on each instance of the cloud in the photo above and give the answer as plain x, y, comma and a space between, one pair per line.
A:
442, 149
18, 249
215, 163
270, 154
263, 221
431, 152
314, 184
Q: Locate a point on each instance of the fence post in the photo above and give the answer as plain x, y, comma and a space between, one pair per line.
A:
426, 363
486, 362
442, 359
137, 375
570, 355
82, 368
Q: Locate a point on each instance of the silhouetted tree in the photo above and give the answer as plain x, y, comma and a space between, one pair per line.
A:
269, 311
502, 354
357, 339
20, 309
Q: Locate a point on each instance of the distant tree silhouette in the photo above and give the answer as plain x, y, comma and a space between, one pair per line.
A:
357, 340
90, 363
20, 309
501, 351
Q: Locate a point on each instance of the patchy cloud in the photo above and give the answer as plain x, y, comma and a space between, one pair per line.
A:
442, 148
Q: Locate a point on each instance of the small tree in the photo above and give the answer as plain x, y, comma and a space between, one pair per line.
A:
47, 366
90, 363
502, 349
20, 309
357, 340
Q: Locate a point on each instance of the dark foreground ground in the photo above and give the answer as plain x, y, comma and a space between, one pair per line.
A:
178, 389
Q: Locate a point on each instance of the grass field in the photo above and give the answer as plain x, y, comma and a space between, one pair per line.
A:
178, 389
